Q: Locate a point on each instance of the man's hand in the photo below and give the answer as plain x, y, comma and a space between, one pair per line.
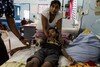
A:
24, 41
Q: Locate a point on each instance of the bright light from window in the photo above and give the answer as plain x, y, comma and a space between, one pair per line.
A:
26, 14
18, 11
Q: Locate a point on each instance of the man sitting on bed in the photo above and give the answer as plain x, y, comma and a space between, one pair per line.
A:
86, 47
49, 53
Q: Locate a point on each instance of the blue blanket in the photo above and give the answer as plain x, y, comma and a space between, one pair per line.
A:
85, 48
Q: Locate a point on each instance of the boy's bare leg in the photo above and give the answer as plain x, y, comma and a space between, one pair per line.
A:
33, 63
46, 64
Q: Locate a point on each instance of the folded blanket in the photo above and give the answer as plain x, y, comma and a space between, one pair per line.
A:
85, 64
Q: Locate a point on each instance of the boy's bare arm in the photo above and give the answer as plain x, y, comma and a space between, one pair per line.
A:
70, 59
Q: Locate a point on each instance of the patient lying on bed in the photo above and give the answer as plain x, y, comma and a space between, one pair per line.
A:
49, 53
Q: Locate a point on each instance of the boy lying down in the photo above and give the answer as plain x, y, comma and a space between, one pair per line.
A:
49, 53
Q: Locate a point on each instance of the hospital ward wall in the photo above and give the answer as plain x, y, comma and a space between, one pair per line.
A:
89, 17
34, 6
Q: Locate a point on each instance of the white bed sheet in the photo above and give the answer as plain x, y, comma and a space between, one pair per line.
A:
23, 55
20, 57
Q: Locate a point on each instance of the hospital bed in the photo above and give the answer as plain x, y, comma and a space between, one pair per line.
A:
19, 58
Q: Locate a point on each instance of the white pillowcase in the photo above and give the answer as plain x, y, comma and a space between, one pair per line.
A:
95, 27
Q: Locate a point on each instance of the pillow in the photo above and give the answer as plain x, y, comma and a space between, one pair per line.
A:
95, 28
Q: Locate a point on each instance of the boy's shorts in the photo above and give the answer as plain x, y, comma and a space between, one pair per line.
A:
47, 54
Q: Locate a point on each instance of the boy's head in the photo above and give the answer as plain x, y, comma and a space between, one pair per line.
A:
52, 32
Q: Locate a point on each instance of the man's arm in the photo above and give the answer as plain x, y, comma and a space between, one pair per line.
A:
59, 25
13, 28
44, 25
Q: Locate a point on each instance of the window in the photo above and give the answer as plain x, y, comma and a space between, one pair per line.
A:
42, 7
18, 10
26, 14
